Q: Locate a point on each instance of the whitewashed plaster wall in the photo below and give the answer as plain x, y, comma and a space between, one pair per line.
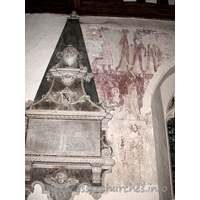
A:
124, 55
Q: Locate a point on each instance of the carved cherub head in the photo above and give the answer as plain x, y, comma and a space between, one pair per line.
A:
61, 178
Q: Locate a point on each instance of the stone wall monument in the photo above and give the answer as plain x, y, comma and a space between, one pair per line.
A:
66, 126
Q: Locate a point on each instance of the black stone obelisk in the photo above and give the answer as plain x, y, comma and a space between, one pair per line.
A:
71, 35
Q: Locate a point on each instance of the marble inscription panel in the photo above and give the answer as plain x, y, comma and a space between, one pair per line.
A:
63, 137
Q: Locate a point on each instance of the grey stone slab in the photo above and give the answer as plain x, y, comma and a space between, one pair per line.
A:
63, 137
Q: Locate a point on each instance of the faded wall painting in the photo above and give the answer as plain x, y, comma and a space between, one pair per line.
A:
123, 62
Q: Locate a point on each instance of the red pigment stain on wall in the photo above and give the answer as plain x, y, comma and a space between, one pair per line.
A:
112, 85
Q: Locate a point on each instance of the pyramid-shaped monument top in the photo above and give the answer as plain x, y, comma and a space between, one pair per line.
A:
70, 52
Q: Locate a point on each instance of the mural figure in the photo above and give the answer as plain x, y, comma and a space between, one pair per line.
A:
125, 49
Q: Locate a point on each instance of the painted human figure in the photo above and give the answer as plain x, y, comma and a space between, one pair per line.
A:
139, 50
125, 49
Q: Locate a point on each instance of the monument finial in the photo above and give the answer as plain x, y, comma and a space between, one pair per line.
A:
73, 15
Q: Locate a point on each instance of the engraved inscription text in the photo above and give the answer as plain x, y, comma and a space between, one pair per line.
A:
63, 137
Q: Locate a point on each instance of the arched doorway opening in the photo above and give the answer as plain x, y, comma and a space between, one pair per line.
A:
157, 99
170, 123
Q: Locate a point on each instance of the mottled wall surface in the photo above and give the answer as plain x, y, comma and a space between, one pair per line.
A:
123, 61
124, 56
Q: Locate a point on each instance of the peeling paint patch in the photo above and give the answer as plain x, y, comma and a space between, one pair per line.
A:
94, 41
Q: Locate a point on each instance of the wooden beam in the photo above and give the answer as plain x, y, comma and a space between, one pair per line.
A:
102, 8
141, 1
164, 2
